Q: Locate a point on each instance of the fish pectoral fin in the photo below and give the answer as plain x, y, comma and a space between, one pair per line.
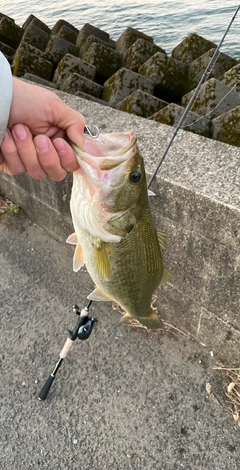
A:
98, 295
72, 239
166, 275
162, 240
151, 193
78, 261
102, 262
151, 321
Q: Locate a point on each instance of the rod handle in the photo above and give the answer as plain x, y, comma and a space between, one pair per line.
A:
46, 387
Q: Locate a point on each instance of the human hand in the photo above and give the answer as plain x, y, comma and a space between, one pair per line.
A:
36, 146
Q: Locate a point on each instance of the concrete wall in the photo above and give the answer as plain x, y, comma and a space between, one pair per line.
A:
197, 204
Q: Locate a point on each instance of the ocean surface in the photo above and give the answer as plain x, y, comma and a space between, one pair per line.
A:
168, 22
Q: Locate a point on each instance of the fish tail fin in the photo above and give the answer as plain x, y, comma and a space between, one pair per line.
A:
151, 320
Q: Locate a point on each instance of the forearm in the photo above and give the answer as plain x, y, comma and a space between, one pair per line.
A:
5, 94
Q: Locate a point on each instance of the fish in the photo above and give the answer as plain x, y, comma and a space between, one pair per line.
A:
115, 236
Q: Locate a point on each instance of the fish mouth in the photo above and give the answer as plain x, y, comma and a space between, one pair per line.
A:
107, 151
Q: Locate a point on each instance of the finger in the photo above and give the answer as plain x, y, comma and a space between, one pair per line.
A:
66, 155
49, 158
11, 162
26, 149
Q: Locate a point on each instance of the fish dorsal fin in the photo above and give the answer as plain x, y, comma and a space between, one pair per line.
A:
98, 295
151, 193
166, 275
102, 264
78, 258
162, 240
72, 239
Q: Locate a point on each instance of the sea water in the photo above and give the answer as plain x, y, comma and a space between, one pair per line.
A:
167, 21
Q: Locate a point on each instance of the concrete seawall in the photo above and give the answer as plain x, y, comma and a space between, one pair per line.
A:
197, 204
132, 74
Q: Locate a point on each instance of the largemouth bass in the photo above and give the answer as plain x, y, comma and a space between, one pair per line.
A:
115, 236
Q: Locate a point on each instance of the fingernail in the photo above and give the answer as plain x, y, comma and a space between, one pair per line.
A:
60, 146
42, 143
20, 132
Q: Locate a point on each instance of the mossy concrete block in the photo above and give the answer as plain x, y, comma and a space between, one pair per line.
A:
57, 48
141, 103
123, 83
59, 24
71, 64
88, 42
67, 33
40, 81
192, 47
29, 59
10, 33
168, 75
89, 30
198, 66
214, 98
36, 37
231, 78
7, 50
138, 53
106, 60
172, 114
32, 19
226, 127
76, 82
128, 37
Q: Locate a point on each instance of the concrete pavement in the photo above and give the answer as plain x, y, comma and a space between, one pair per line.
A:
122, 399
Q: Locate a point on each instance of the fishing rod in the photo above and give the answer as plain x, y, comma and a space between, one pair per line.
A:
82, 331
188, 107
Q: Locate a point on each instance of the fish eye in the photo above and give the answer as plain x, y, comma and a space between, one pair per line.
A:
135, 176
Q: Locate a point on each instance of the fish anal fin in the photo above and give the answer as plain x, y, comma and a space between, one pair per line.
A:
78, 258
102, 264
162, 240
151, 320
98, 295
166, 275
72, 239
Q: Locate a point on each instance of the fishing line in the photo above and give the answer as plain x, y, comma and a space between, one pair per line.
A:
214, 109
188, 107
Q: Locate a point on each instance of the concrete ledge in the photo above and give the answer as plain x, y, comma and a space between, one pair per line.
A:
197, 204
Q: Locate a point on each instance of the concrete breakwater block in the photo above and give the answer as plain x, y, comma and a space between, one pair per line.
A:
231, 78
76, 82
36, 37
71, 64
129, 37
60, 24
29, 59
192, 47
141, 103
123, 83
164, 77
106, 60
39, 81
226, 127
214, 98
67, 33
172, 113
88, 30
140, 51
168, 75
10, 33
32, 19
198, 66
57, 48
